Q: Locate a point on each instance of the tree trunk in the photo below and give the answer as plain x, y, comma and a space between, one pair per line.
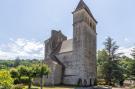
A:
29, 86
41, 82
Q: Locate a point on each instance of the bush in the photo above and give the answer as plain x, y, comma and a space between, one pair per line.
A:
101, 82
5, 80
18, 86
16, 81
23, 80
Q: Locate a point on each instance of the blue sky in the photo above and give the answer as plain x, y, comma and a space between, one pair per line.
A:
27, 23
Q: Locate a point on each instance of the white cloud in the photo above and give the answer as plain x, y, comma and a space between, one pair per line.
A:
126, 51
23, 48
29, 49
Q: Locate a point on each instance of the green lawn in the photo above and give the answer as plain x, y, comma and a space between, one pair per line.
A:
57, 87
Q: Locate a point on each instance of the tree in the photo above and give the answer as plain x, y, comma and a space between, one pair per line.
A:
133, 53
32, 71
16, 75
5, 80
108, 63
132, 68
111, 49
117, 73
40, 71
125, 64
17, 62
28, 72
102, 57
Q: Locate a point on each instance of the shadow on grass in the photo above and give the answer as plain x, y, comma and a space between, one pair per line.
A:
67, 87
98, 87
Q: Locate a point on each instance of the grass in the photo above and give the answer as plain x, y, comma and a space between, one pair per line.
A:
57, 87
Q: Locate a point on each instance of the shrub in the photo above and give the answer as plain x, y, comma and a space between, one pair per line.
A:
18, 86
23, 80
16, 81
101, 82
5, 80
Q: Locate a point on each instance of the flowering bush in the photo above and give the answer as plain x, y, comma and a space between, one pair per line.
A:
5, 80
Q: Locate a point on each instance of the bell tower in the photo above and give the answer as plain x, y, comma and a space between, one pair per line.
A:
84, 44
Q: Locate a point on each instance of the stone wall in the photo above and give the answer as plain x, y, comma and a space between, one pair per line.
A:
70, 72
55, 76
53, 44
84, 45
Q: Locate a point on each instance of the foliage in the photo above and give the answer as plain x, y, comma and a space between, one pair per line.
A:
111, 49
41, 70
102, 57
125, 63
128, 66
17, 62
25, 74
108, 64
7, 64
132, 72
22, 80
5, 79
14, 73
133, 53
18, 86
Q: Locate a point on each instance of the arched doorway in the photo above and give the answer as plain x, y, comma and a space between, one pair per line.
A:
90, 82
79, 82
85, 83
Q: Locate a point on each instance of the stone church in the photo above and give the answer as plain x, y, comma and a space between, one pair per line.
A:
73, 61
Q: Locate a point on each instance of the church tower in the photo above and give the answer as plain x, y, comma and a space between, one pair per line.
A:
84, 44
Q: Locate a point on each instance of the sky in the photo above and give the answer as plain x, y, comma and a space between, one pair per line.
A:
25, 24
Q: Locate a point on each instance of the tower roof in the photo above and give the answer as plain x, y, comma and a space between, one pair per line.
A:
82, 5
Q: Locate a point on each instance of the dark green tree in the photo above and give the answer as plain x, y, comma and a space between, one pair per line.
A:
111, 48
132, 70
108, 64
125, 64
102, 57
17, 62
15, 75
133, 53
